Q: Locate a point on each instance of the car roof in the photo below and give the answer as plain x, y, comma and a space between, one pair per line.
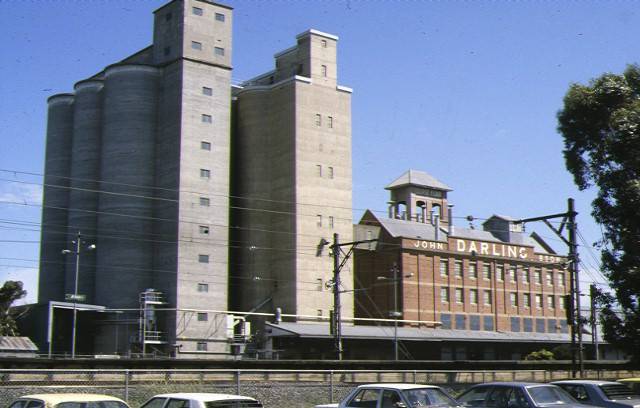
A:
398, 386
512, 384
57, 398
594, 382
202, 396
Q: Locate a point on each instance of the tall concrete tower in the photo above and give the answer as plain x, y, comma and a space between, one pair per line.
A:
137, 161
291, 176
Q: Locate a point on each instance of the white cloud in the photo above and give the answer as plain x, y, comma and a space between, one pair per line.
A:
21, 193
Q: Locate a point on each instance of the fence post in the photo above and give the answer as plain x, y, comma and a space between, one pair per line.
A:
238, 382
126, 385
331, 387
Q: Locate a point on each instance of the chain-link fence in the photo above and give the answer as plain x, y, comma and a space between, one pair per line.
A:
275, 388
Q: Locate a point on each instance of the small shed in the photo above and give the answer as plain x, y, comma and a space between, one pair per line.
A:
17, 347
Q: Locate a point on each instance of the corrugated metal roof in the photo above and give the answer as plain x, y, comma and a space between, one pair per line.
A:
411, 229
8, 343
415, 334
418, 178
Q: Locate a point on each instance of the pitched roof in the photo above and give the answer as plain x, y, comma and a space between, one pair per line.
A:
8, 343
418, 178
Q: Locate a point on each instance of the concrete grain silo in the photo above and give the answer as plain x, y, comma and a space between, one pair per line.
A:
55, 197
85, 173
125, 254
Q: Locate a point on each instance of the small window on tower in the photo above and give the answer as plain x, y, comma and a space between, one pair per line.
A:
330, 172
331, 221
203, 317
207, 91
205, 173
196, 45
197, 11
168, 17
319, 220
203, 287
203, 258
205, 145
204, 201
201, 346
324, 70
204, 229
206, 118
218, 51
220, 17
318, 119
324, 43
330, 122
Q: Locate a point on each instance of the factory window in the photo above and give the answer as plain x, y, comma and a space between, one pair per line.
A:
207, 91
330, 172
205, 173
527, 300
487, 297
324, 70
167, 51
526, 278
197, 11
204, 202
549, 278
206, 118
512, 273
444, 294
204, 229
458, 269
201, 346
459, 295
486, 271
330, 221
500, 272
564, 301
324, 43
537, 276
203, 317
220, 17
561, 279
319, 170
538, 301
473, 270
473, 296
444, 268
203, 258
514, 299
551, 302
196, 45
168, 17
205, 145
318, 119
319, 220
218, 51
319, 285
203, 287
330, 122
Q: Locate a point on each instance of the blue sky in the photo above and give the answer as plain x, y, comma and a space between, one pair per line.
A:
466, 91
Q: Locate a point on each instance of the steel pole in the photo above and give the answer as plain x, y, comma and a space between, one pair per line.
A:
75, 299
395, 312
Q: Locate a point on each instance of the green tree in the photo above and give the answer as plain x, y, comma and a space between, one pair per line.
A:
600, 124
539, 355
9, 293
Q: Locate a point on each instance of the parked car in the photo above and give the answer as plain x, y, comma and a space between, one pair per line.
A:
68, 401
607, 394
395, 396
633, 383
201, 400
518, 395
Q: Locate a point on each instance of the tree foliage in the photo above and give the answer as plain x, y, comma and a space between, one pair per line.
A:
600, 124
540, 355
9, 293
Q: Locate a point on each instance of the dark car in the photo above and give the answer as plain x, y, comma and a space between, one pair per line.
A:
518, 395
607, 394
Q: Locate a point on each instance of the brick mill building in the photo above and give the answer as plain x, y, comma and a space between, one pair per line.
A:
477, 284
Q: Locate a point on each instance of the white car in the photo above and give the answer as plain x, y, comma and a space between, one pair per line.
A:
68, 401
395, 396
201, 400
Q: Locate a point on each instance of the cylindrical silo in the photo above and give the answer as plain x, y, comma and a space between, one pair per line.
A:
125, 254
85, 173
55, 201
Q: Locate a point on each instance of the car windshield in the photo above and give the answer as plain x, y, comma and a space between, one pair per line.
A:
549, 394
421, 397
618, 392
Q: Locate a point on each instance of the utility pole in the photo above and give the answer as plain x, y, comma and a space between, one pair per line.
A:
594, 321
335, 322
574, 318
